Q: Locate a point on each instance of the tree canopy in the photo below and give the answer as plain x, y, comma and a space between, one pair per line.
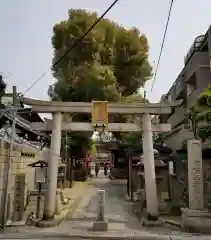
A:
200, 115
110, 63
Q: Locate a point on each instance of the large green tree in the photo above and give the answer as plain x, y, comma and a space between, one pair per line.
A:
110, 63
200, 115
203, 117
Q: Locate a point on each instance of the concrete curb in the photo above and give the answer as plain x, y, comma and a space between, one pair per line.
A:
74, 206
18, 223
101, 236
173, 223
51, 223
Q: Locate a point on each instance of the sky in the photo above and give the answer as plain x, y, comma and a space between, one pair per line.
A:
26, 30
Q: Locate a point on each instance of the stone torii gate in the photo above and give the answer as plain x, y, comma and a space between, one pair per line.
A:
56, 125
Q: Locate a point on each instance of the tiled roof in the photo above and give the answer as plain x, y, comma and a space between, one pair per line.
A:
21, 122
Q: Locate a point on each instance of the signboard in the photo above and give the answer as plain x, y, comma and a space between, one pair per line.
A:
99, 113
40, 175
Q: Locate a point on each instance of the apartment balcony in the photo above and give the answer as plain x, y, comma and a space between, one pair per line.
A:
198, 60
196, 84
195, 47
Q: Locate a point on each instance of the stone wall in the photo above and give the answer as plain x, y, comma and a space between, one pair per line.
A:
21, 177
179, 184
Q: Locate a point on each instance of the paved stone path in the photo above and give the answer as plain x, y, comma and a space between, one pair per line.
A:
121, 222
116, 212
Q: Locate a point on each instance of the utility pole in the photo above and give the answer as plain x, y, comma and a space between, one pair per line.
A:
2, 87
3, 210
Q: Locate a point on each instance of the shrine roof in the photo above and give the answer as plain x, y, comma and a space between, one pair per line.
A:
20, 122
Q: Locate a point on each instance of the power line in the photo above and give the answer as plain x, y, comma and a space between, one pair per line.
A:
2, 75
74, 45
69, 50
8, 75
162, 45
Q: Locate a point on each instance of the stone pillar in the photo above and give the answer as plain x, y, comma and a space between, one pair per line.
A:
149, 168
100, 224
53, 164
58, 204
195, 175
101, 205
195, 218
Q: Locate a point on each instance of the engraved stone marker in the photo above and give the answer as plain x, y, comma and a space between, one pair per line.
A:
195, 175
100, 224
195, 218
19, 197
101, 205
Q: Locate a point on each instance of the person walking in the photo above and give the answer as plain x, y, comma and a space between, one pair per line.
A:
97, 168
105, 169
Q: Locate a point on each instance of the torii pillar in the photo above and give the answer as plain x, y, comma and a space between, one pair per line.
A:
149, 168
53, 164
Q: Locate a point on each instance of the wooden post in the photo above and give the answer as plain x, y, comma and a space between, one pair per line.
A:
38, 200
7, 177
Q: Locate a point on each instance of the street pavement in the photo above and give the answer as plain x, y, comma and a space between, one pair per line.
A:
116, 211
122, 224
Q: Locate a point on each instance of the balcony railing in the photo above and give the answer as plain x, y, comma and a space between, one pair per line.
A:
195, 47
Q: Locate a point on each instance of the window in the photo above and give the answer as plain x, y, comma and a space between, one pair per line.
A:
178, 86
169, 98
